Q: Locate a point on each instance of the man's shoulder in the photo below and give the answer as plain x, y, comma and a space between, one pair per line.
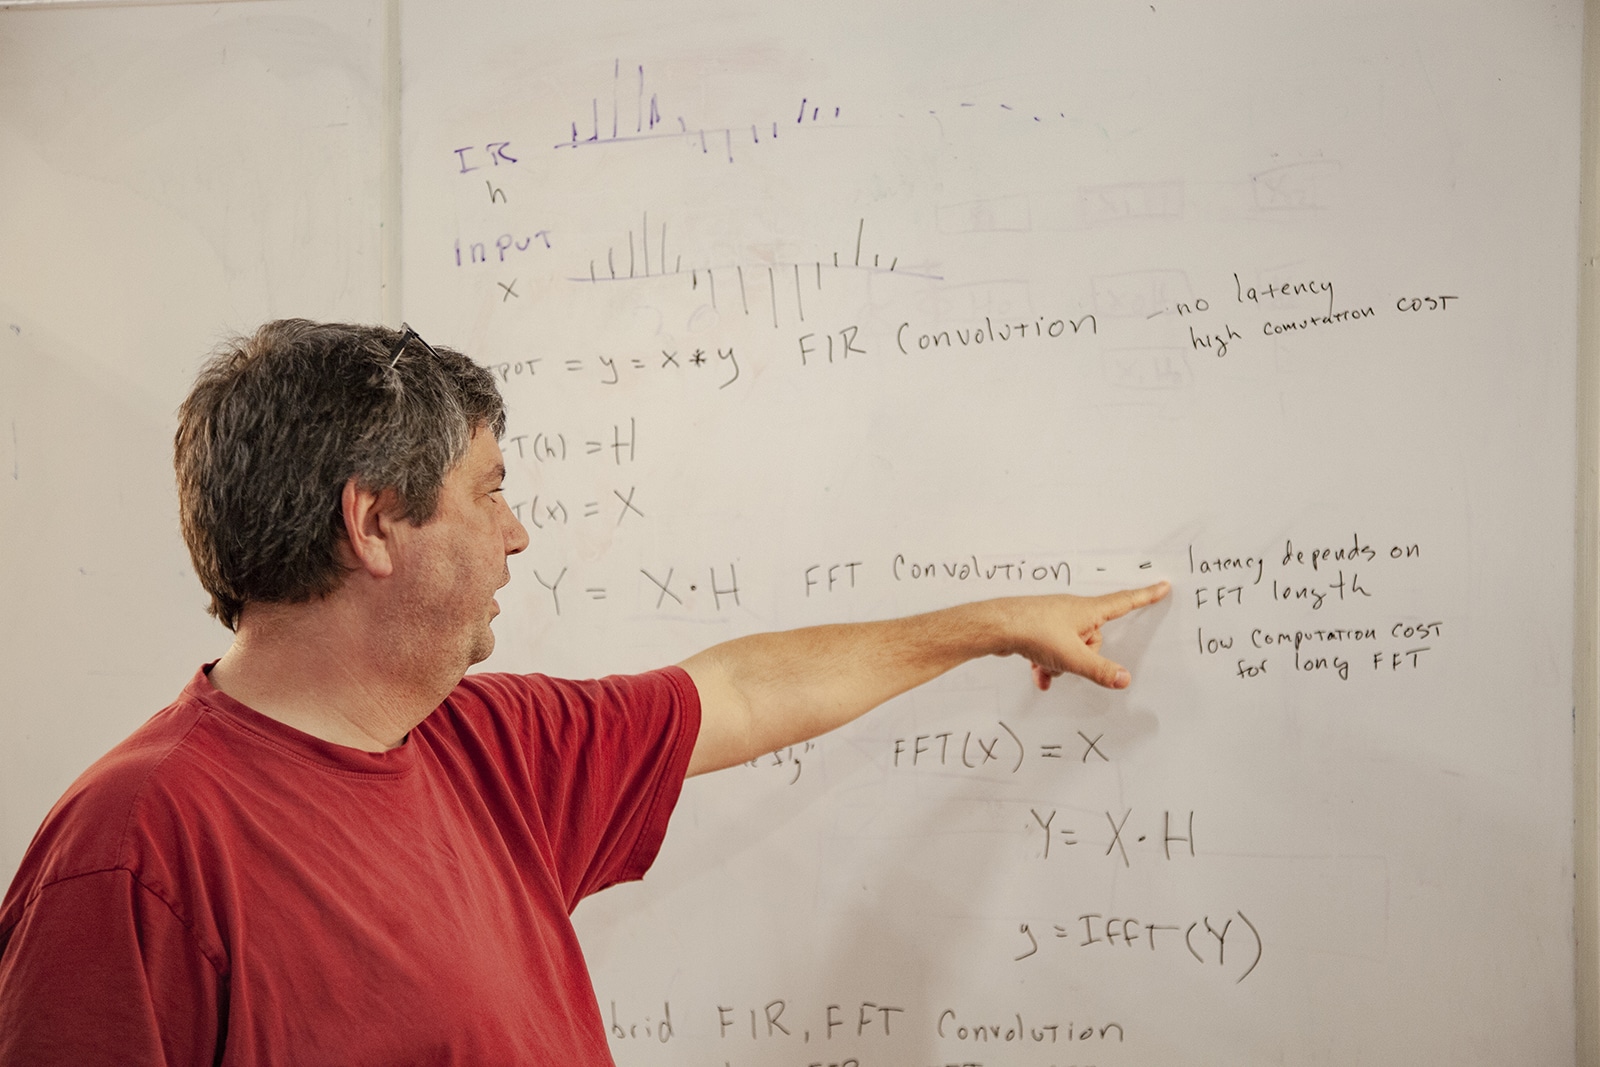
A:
90, 827
530, 714
539, 706
498, 690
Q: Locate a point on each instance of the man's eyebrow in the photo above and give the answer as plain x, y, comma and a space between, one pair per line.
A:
496, 473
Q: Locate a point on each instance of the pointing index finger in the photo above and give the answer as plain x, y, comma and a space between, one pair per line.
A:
1118, 604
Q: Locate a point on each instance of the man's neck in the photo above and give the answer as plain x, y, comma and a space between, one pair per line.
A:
311, 667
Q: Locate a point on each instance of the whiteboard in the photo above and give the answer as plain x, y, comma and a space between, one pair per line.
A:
839, 313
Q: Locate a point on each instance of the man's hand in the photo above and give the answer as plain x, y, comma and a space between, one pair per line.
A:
1061, 634
766, 691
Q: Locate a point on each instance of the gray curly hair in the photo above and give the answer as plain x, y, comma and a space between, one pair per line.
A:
278, 422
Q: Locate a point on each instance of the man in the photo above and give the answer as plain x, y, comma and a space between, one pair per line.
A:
337, 847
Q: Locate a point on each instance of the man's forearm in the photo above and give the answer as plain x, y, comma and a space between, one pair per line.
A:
761, 693
766, 691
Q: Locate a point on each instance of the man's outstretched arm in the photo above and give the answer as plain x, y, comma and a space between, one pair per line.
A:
767, 691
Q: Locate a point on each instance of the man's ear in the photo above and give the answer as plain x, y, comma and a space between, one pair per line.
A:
369, 527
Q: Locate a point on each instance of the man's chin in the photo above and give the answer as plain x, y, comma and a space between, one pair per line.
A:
482, 647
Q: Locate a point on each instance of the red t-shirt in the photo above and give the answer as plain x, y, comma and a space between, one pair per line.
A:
222, 888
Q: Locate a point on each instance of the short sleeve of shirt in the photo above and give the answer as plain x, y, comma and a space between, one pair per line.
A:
602, 763
100, 970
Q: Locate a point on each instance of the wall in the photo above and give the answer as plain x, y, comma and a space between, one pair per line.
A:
171, 175
1586, 833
